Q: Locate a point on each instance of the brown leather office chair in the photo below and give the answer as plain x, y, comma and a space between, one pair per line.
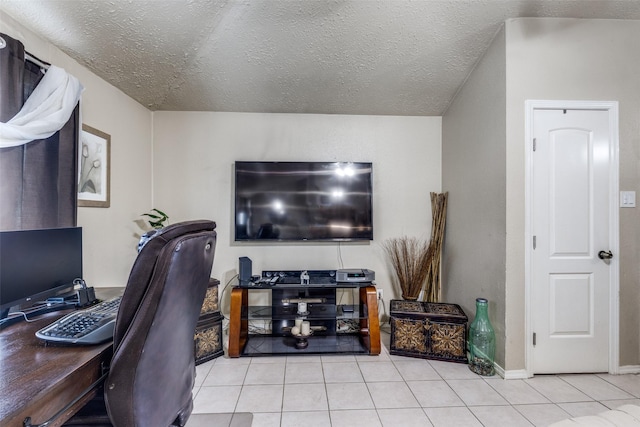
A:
152, 371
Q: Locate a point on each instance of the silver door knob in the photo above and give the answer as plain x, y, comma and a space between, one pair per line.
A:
605, 255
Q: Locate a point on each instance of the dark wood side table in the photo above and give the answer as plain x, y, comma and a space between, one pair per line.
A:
208, 336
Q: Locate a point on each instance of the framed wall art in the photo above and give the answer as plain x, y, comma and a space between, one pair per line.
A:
94, 164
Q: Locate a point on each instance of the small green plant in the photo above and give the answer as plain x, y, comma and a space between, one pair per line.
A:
156, 218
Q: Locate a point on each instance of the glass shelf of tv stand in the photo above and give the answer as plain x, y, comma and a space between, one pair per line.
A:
316, 312
261, 340
271, 345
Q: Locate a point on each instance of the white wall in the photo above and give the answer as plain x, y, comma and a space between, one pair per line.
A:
194, 153
109, 235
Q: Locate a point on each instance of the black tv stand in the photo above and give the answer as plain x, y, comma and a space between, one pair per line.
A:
351, 327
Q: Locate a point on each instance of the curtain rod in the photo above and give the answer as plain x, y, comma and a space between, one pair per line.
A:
40, 63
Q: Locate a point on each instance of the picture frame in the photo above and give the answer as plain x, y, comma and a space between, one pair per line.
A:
94, 168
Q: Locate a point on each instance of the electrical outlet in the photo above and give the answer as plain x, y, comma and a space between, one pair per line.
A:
380, 294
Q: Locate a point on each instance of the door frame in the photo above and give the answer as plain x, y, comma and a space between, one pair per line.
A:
614, 271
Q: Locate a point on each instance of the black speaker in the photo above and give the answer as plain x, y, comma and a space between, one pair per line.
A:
245, 270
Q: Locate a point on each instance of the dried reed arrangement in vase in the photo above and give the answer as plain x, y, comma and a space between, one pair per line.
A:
439, 215
411, 260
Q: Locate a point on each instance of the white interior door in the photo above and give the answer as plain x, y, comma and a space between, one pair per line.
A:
571, 217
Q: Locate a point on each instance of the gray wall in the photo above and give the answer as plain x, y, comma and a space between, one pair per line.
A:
483, 164
574, 59
473, 172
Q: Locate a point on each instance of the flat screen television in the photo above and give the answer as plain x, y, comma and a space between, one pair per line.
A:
38, 264
303, 201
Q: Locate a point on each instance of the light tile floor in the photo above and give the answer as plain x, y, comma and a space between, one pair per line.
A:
387, 390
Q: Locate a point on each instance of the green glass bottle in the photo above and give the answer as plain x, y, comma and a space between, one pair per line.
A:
482, 341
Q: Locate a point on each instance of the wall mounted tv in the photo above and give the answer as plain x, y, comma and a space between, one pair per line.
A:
303, 201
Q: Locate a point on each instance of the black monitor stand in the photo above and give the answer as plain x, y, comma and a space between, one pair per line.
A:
19, 316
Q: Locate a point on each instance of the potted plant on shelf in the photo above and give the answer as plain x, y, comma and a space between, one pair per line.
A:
157, 220
411, 260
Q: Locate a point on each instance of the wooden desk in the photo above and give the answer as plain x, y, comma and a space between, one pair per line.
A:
37, 380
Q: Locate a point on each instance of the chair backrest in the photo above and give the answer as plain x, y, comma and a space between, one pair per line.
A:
152, 371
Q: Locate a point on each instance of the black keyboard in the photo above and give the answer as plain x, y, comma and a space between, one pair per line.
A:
92, 325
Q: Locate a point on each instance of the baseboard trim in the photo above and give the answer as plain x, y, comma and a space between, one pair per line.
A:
629, 369
521, 374
516, 374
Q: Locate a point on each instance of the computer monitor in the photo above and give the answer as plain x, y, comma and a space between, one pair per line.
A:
38, 264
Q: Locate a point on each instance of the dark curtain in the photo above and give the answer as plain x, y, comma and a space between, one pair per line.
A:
38, 180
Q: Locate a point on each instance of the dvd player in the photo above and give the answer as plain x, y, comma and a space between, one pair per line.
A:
355, 275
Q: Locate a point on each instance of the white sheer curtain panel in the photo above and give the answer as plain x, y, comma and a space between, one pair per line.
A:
45, 112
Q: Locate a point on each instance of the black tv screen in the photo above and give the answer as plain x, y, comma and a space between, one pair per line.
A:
294, 201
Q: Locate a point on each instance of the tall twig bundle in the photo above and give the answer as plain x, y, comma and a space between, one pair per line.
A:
433, 288
411, 260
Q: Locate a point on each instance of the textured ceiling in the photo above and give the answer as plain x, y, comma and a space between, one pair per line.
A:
392, 57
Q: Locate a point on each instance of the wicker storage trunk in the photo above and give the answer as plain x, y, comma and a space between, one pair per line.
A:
208, 335
428, 330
